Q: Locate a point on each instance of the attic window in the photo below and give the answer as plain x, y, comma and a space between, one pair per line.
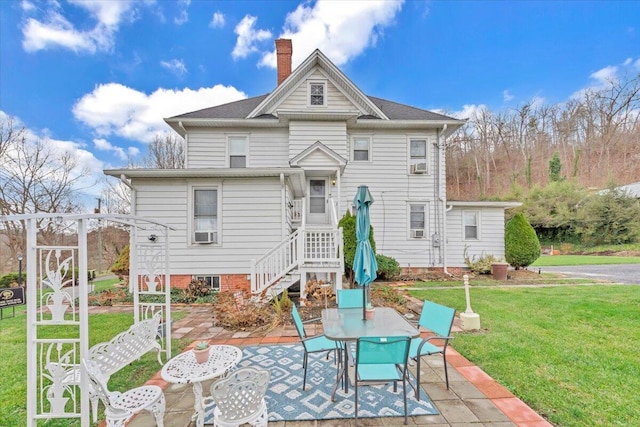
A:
317, 94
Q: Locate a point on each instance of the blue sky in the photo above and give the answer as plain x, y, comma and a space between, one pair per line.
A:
96, 77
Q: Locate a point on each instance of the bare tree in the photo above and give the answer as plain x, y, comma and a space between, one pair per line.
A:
34, 178
165, 152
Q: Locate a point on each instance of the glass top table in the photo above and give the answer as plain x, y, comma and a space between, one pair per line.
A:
346, 324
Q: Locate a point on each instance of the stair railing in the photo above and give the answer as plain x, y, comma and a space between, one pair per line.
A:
276, 263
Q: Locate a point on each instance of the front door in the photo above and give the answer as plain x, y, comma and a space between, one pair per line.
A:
317, 200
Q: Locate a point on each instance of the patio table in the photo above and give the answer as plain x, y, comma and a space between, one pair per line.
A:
346, 325
184, 369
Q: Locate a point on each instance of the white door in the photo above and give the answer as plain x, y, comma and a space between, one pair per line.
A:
317, 200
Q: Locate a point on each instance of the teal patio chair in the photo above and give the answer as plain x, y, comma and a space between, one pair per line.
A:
315, 344
382, 359
349, 298
438, 319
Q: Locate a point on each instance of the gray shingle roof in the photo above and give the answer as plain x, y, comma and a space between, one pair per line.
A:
241, 109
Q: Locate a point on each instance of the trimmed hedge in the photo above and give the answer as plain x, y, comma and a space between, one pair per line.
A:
522, 246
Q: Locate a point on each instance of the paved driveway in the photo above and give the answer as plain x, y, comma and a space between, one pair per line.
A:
617, 273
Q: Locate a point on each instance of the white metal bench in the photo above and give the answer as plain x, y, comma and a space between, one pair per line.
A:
113, 355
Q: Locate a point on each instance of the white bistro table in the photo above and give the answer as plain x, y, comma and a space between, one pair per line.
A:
184, 369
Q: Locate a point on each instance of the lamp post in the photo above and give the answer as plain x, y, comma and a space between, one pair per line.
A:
19, 269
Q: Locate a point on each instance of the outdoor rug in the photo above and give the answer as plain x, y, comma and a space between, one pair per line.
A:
287, 402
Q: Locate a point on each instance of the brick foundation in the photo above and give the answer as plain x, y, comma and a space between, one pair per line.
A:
228, 282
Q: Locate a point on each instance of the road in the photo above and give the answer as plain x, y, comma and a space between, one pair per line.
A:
617, 273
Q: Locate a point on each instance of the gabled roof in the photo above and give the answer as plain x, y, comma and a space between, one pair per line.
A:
260, 111
319, 147
339, 79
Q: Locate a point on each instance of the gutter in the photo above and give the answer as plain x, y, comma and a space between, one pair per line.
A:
443, 205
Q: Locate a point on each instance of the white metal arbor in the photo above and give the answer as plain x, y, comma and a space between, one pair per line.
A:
57, 321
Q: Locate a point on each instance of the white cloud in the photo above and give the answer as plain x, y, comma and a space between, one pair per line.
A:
341, 29
115, 109
176, 66
217, 20
183, 14
605, 76
469, 111
507, 96
248, 37
27, 6
55, 30
102, 144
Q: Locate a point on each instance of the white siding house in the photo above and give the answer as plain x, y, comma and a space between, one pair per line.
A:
267, 178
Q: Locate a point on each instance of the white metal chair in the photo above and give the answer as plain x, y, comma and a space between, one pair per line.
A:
239, 398
120, 407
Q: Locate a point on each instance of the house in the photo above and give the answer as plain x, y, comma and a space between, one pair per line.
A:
267, 178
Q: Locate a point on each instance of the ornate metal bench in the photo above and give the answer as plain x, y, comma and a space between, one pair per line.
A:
110, 356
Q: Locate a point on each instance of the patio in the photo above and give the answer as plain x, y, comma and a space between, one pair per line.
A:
474, 398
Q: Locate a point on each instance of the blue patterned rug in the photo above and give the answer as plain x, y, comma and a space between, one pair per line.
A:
287, 402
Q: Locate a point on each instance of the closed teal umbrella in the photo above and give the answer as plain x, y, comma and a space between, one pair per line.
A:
364, 262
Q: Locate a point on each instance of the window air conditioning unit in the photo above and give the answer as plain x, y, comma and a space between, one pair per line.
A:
417, 234
419, 168
206, 237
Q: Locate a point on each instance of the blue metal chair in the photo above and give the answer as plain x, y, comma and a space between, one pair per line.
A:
315, 344
382, 359
438, 319
349, 298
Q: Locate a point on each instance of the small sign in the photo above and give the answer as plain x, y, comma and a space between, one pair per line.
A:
10, 297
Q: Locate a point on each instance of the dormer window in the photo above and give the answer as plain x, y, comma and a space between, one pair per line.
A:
317, 94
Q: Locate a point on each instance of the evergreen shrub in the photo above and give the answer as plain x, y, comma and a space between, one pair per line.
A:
522, 246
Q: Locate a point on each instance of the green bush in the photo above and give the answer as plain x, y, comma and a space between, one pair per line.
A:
522, 246
10, 278
609, 218
121, 266
482, 265
388, 267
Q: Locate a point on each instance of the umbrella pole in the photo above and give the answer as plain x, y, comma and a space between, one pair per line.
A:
364, 302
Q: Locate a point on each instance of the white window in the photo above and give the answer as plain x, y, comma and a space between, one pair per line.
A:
317, 94
212, 281
317, 193
205, 215
417, 221
470, 224
361, 149
418, 155
238, 151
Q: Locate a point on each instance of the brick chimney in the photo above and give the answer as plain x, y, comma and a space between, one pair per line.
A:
284, 51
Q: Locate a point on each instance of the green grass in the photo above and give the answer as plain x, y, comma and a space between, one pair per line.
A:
562, 260
486, 280
13, 363
102, 284
569, 352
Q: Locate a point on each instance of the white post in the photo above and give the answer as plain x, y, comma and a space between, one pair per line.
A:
469, 321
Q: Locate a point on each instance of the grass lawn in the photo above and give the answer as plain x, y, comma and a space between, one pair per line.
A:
570, 352
562, 260
13, 363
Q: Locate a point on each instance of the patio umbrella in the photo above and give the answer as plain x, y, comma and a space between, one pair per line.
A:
364, 262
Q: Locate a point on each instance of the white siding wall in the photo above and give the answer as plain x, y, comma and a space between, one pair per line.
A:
267, 147
302, 134
250, 219
491, 235
393, 188
297, 100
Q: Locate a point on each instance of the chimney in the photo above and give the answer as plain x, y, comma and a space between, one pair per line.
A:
284, 50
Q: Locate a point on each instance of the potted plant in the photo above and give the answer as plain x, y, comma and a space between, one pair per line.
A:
369, 311
201, 351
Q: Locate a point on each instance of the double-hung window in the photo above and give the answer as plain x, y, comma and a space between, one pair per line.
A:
238, 151
417, 220
470, 223
361, 149
317, 94
205, 215
418, 155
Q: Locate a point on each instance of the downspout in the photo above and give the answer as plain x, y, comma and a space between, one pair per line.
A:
443, 204
283, 203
